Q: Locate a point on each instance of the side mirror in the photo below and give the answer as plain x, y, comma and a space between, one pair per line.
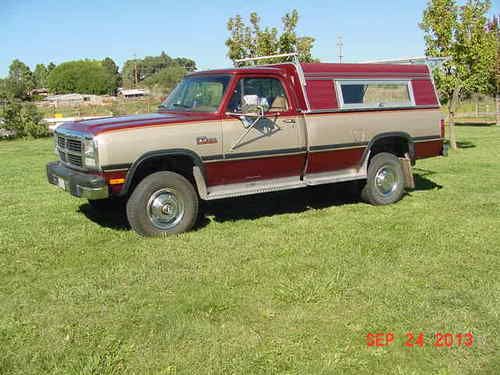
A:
254, 105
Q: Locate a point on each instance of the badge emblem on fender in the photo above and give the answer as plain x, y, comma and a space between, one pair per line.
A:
206, 141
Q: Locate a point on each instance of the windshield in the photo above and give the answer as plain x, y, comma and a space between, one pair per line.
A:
197, 94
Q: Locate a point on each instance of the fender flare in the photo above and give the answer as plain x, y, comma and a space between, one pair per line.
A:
197, 161
378, 137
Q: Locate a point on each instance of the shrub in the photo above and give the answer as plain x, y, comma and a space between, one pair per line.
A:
23, 120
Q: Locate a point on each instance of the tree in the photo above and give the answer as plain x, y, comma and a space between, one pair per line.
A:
131, 73
188, 64
253, 40
460, 34
24, 119
50, 67
112, 69
3, 89
20, 80
166, 79
40, 76
140, 72
82, 76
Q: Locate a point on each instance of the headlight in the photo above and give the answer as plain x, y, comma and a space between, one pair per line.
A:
90, 153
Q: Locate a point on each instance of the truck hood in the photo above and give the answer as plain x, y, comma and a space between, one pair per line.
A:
102, 125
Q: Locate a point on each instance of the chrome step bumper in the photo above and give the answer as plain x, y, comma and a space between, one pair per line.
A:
78, 184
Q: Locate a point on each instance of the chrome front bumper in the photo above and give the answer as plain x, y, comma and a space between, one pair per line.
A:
78, 184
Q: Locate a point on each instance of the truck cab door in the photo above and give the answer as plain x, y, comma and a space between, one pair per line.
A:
265, 145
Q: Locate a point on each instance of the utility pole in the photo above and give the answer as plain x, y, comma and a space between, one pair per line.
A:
135, 71
340, 44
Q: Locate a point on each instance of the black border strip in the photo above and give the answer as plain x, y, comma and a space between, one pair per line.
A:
211, 157
284, 152
116, 167
427, 138
339, 145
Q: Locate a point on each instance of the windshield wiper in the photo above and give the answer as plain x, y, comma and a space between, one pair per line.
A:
181, 105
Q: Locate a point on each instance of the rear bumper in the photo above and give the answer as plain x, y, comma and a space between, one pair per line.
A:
78, 184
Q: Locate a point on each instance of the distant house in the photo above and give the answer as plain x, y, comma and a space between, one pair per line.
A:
39, 92
74, 99
132, 93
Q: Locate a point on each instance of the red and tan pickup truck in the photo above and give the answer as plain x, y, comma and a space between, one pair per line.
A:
240, 131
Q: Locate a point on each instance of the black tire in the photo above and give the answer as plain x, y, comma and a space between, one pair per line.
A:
385, 180
108, 204
163, 203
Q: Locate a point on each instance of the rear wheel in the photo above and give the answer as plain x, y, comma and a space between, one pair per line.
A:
385, 180
163, 203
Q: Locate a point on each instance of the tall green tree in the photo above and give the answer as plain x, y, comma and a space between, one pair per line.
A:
50, 67
166, 79
188, 64
20, 80
462, 36
131, 73
40, 75
112, 69
252, 40
140, 72
3, 89
82, 76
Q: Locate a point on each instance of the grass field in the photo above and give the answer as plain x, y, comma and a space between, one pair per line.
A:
289, 282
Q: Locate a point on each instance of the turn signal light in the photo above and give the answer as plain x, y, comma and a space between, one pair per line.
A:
116, 181
442, 127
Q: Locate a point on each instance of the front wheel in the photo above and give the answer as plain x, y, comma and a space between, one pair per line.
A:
385, 180
163, 203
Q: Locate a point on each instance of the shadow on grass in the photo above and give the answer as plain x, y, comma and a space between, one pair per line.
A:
422, 182
465, 144
282, 202
476, 123
262, 205
114, 219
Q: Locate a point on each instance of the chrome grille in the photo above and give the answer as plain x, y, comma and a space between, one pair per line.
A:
73, 145
70, 150
61, 141
75, 160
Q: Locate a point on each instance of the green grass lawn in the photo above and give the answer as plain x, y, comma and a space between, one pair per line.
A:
288, 282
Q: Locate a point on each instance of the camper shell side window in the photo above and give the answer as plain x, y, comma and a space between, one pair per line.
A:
374, 94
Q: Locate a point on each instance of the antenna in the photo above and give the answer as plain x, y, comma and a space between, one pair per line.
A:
340, 44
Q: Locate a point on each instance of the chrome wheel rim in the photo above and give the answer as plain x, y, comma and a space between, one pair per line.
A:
386, 180
165, 209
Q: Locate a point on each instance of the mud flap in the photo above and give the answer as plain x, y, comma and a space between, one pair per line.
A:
408, 173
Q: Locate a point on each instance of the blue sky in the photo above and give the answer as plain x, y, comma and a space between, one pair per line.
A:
40, 31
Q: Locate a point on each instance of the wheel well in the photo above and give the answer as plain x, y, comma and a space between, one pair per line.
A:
181, 164
397, 145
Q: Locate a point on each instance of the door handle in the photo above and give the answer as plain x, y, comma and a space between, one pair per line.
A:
289, 121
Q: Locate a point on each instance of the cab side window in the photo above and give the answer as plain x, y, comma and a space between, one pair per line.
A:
269, 91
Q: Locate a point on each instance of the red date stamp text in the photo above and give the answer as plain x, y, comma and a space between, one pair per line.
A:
412, 340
